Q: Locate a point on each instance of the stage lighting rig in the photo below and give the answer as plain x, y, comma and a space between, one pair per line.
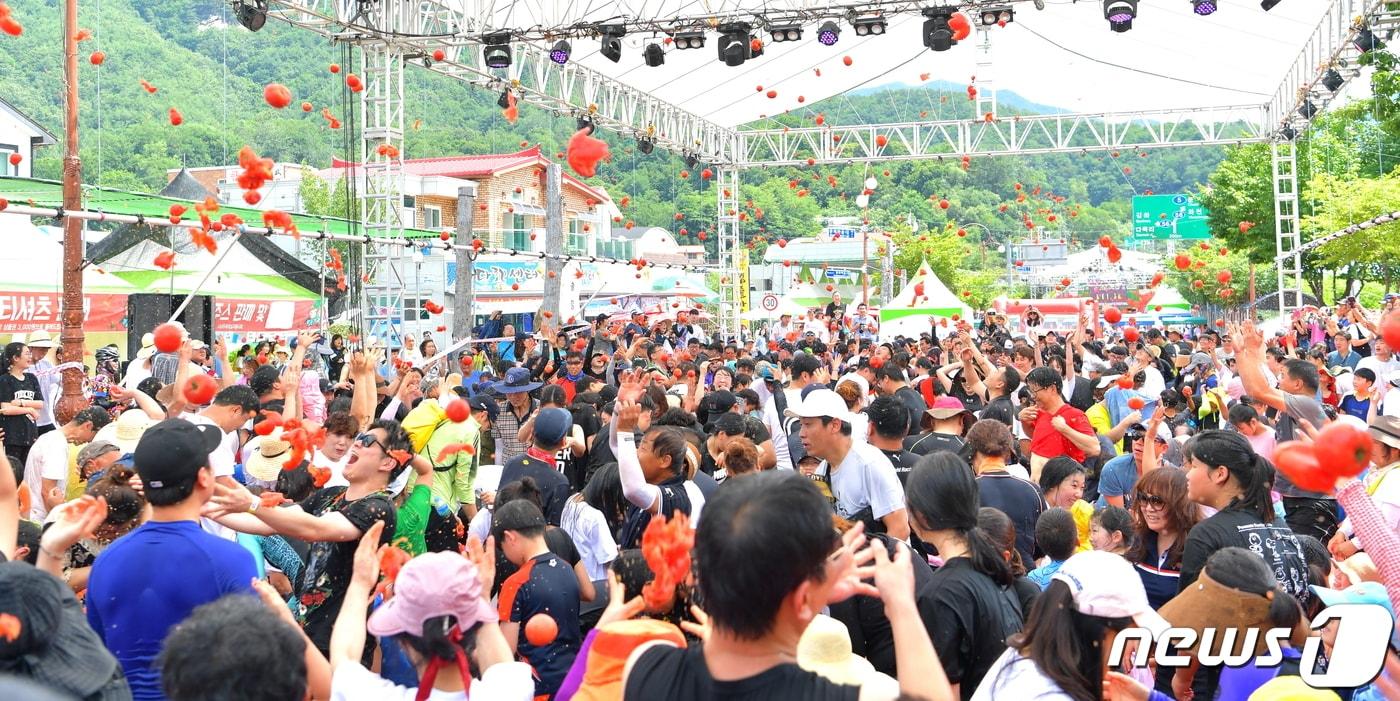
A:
1120, 14
495, 51
611, 41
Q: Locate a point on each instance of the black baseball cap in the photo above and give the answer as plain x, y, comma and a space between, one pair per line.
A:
172, 452
483, 404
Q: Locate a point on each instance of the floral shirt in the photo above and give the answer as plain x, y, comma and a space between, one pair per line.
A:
321, 587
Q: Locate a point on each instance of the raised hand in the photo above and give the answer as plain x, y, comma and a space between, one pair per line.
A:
366, 567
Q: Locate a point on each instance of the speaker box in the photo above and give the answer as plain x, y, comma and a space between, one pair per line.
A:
144, 312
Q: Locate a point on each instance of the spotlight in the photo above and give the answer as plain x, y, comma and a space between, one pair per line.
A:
612, 42
1203, 7
1308, 110
997, 16
786, 32
734, 44
689, 40
1269, 4
691, 160
560, 53
1288, 133
252, 15
645, 144
1039, 4
828, 33
938, 36
1120, 14
654, 55
1332, 80
496, 52
866, 26
586, 123
504, 100
1366, 42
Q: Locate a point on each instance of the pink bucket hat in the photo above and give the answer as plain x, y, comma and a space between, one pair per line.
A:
430, 585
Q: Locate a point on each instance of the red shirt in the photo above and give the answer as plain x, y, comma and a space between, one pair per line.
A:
1049, 443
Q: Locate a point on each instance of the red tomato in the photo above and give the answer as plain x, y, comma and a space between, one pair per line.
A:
1342, 449
1136, 403
1299, 463
1125, 382
458, 411
1112, 315
168, 338
199, 389
1390, 330
1130, 334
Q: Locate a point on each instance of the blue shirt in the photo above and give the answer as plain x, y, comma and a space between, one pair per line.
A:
146, 582
1356, 407
1041, 575
1117, 479
545, 584
1334, 358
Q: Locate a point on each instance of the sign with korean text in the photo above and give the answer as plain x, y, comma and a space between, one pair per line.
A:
1169, 217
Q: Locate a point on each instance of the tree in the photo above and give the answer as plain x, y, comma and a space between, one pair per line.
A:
1371, 254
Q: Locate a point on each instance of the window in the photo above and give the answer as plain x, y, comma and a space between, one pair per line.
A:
412, 309
409, 201
515, 232
617, 249
432, 217
5, 167
577, 242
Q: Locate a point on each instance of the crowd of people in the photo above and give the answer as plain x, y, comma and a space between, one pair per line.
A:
642, 509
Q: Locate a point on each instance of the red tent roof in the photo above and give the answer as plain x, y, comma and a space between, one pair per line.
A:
473, 167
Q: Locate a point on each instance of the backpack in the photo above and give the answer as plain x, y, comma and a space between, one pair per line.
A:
422, 422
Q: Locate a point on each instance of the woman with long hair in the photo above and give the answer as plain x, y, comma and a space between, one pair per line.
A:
1061, 653
1162, 516
20, 401
1003, 532
966, 605
654, 471
1224, 473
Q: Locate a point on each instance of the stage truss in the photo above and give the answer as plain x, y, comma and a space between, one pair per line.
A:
445, 36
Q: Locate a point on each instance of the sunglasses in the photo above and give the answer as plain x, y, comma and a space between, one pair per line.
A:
1135, 437
1151, 500
367, 440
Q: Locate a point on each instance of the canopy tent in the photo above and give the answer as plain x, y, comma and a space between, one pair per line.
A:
32, 290
923, 296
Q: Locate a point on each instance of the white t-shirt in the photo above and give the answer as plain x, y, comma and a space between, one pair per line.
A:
864, 478
48, 459
1382, 368
503, 681
223, 458
594, 541
337, 467
1015, 677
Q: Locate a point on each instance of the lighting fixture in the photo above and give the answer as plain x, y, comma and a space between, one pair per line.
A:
694, 39
1269, 4
654, 55
1308, 110
1332, 80
645, 144
829, 33
867, 26
786, 32
997, 16
586, 123
1288, 133
560, 52
251, 14
938, 36
734, 43
496, 50
1366, 41
1203, 7
504, 100
611, 40
1120, 14
691, 160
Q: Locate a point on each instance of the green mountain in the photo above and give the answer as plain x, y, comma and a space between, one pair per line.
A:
212, 70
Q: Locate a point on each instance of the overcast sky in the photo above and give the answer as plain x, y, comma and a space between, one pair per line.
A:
1235, 57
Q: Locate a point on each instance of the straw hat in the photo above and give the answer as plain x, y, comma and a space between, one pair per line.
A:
266, 462
825, 648
127, 430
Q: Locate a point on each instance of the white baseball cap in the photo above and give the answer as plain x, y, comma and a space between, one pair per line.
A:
1106, 585
820, 403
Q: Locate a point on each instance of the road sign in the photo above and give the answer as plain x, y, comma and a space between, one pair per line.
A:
770, 302
1169, 217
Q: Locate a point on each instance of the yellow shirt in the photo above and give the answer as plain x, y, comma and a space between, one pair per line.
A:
1083, 513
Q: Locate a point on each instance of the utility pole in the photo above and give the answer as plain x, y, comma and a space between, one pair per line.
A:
71, 400
553, 241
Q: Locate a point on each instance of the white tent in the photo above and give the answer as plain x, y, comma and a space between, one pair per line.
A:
910, 313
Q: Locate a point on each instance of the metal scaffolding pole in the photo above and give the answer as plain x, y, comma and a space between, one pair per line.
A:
727, 231
1286, 235
382, 205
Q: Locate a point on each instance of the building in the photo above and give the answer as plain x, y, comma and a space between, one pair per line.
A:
838, 256
654, 244
221, 182
22, 135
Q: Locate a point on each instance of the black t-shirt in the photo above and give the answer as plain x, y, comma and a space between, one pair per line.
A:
867, 624
1236, 527
554, 486
969, 618
914, 402
321, 587
19, 430
1020, 500
680, 674
926, 443
1000, 409
556, 539
903, 461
